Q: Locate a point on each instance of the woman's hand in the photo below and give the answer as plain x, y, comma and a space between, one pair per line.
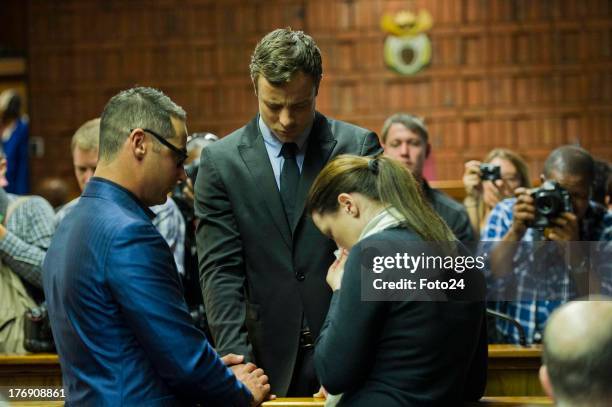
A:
471, 179
336, 271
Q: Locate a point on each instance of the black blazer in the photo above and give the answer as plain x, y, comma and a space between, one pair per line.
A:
401, 353
258, 273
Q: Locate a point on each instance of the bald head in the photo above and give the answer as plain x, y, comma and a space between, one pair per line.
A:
578, 352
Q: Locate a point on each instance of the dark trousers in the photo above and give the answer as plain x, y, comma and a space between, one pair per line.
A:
304, 382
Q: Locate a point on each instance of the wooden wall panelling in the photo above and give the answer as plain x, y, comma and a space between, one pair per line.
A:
527, 75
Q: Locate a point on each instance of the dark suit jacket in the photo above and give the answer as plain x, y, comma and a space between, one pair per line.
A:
120, 323
259, 274
451, 211
415, 352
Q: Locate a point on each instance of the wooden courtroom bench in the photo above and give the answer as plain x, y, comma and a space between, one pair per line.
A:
312, 402
512, 370
454, 188
484, 402
36, 369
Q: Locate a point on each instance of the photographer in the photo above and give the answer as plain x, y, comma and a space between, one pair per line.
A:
560, 212
489, 182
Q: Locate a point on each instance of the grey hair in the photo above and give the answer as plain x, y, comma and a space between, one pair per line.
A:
139, 107
283, 52
413, 123
87, 137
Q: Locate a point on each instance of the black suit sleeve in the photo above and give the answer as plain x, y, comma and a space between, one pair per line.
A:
348, 335
371, 145
221, 262
463, 228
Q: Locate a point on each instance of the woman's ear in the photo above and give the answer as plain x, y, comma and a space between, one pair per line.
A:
348, 204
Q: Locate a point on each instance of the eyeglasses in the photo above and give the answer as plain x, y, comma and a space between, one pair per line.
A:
181, 153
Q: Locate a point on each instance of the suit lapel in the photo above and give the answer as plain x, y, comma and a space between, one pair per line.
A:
320, 145
255, 156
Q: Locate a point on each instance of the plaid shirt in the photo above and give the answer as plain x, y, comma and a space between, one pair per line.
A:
541, 282
29, 228
171, 225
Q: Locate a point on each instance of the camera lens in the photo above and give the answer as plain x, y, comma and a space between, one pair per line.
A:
546, 204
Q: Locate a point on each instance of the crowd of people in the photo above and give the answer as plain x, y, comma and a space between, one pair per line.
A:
229, 272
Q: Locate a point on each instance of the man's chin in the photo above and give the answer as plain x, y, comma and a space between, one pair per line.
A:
286, 136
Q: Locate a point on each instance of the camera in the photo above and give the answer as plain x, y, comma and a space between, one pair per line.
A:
550, 201
490, 172
38, 337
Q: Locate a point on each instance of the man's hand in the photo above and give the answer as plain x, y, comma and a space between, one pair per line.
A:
471, 179
252, 377
232, 359
565, 228
522, 213
336, 271
255, 380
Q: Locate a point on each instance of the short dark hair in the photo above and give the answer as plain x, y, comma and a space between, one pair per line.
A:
138, 107
570, 160
413, 123
283, 52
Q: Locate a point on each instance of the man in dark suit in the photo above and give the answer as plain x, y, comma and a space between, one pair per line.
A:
262, 260
406, 139
120, 323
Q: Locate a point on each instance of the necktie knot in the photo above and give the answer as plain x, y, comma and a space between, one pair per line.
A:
289, 150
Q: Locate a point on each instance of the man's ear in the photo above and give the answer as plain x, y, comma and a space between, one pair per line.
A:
545, 381
428, 150
348, 204
136, 140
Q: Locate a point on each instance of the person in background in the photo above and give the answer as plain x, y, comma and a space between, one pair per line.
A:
14, 129
119, 319
601, 182
533, 270
26, 229
168, 219
184, 198
482, 196
391, 353
55, 190
577, 354
405, 138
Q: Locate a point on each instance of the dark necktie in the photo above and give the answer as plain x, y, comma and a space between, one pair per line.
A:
289, 179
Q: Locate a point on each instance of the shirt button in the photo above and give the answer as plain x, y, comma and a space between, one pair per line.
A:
300, 276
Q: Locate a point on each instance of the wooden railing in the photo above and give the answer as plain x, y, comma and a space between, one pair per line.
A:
512, 372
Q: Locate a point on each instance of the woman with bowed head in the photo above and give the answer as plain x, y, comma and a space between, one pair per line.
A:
418, 351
